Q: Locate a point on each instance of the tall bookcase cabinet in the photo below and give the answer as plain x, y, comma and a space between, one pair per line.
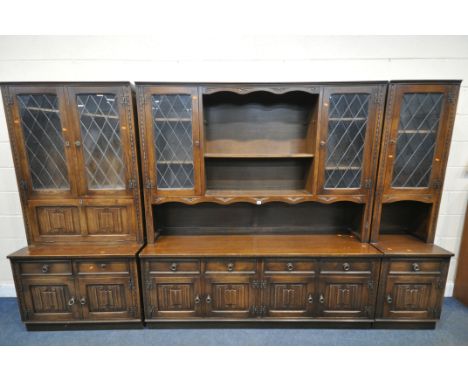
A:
75, 153
281, 202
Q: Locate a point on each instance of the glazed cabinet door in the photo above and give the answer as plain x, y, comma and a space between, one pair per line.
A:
349, 137
107, 298
417, 129
170, 140
41, 141
103, 131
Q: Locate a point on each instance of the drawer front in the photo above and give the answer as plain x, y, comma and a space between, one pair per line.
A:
174, 266
103, 267
285, 266
347, 266
417, 266
233, 266
46, 268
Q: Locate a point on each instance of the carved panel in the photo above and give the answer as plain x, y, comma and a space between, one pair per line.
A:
176, 297
344, 297
50, 299
288, 297
107, 220
58, 220
106, 298
229, 296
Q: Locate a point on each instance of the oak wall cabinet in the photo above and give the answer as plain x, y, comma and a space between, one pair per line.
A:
282, 202
75, 153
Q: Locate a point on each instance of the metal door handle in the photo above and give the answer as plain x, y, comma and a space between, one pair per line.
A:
82, 301
208, 299
71, 301
389, 299
321, 299
310, 299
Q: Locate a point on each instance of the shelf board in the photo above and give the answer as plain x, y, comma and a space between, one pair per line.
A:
416, 132
260, 156
348, 119
352, 168
407, 245
172, 119
55, 111
256, 193
259, 245
174, 162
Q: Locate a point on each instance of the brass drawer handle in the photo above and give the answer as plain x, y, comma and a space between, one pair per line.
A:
310, 299
230, 267
321, 299
103, 266
346, 266
389, 299
208, 299
173, 267
416, 267
77, 143
83, 301
45, 268
197, 299
71, 301
290, 267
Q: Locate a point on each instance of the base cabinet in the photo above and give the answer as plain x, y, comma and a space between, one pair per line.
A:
77, 291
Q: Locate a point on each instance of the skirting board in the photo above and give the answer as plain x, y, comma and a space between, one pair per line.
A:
8, 290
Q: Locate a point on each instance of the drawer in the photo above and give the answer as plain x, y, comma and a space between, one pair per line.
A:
415, 266
289, 266
346, 266
174, 266
231, 266
45, 267
93, 267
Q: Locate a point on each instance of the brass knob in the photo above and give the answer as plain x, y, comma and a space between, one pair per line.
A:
103, 266
322, 143
321, 299
173, 267
77, 143
310, 299
45, 268
346, 266
71, 301
208, 299
290, 266
389, 299
197, 299
230, 267
416, 267
82, 301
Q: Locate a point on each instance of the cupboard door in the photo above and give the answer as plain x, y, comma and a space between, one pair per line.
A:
173, 140
229, 296
349, 139
290, 296
172, 297
49, 298
413, 153
102, 135
346, 296
41, 138
107, 298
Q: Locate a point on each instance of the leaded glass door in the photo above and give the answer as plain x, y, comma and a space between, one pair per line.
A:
414, 155
173, 142
101, 138
348, 139
42, 140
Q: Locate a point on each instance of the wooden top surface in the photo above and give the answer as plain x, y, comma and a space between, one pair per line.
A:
406, 245
120, 250
259, 245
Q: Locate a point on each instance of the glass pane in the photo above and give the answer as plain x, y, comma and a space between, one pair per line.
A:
43, 140
417, 131
100, 134
172, 121
347, 125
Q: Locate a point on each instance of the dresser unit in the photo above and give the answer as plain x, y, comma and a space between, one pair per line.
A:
261, 201
75, 154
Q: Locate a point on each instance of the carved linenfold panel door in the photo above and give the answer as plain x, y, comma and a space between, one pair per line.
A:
49, 298
107, 298
290, 296
173, 297
346, 296
229, 296
172, 140
39, 135
58, 220
349, 134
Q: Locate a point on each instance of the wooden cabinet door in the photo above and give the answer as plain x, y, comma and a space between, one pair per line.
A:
103, 132
172, 297
411, 297
346, 296
229, 296
289, 296
41, 141
417, 130
107, 298
349, 136
170, 140
48, 298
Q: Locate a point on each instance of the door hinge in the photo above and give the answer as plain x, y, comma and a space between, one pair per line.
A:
370, 284
149, 285
9, 100
130, 284
367, 184
259, 284
437, 184
23, 185
142, 100
451, 98
440, 284
148, 184
124, 100
27, 313
132, 184
259, 311
132, 311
